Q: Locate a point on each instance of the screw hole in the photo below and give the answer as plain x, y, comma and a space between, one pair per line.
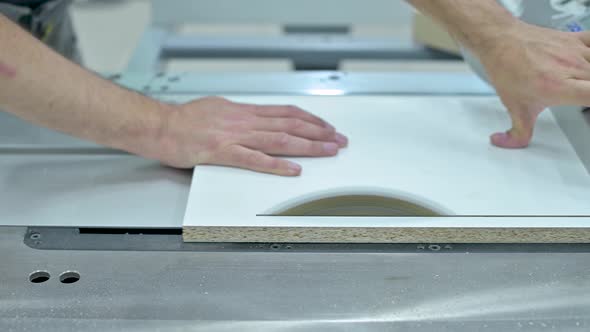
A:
69, 277
434, 247
39, 277
275, 246
35, 236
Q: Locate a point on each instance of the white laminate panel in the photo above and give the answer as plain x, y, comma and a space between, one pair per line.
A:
433, 150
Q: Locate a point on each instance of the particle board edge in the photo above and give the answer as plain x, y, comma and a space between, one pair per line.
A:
385, 235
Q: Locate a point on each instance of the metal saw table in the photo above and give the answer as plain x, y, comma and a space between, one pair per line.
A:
105, 228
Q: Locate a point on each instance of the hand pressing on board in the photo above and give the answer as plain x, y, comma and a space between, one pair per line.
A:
205, 131
534, 68
217, 131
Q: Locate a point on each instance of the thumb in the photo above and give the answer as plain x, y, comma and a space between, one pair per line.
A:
523, 122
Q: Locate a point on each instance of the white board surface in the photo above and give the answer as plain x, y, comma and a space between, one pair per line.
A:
431, 149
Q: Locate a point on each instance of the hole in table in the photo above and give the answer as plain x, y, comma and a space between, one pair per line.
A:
39, 277
434, 247
69, 277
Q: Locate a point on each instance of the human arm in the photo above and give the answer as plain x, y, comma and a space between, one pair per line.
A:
531, 67
44, 88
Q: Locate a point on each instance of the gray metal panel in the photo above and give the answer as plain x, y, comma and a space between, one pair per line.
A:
281, 291
306, 51
281, 11
576, 126
322, 53
171, 239
15, 132
318, 83
90, 187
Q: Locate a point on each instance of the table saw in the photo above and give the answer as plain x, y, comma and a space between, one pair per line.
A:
91, 239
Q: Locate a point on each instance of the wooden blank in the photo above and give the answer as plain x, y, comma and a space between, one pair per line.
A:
429, 151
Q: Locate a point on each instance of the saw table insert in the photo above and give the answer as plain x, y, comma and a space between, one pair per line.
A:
418, 169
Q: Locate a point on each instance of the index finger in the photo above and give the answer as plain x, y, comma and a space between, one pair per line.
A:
242, 157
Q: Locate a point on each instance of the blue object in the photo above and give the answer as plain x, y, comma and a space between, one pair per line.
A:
574, 27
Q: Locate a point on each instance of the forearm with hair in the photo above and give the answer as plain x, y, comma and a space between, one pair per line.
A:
474, 23
41, 86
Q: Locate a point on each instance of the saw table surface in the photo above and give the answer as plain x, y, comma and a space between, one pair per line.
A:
429, 151
158, 282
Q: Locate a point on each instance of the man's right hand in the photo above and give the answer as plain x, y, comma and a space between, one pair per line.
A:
217, 131
533, 68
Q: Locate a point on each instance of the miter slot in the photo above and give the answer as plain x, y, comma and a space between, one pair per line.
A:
132, 231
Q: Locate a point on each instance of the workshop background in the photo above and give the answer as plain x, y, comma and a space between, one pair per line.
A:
109, 31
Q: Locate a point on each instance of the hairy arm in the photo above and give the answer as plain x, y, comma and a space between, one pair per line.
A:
532, 68
473, 23
41, 86
44, 88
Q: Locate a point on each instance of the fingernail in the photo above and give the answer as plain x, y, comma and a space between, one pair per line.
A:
294, 169
505, 140
331, 148
341, 140
499, 138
